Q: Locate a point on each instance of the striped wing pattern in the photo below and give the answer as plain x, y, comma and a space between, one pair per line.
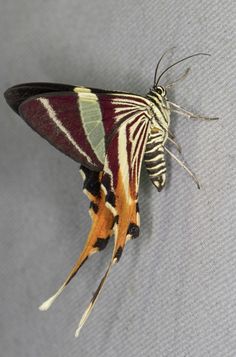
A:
118, 197
107, 133
77, 122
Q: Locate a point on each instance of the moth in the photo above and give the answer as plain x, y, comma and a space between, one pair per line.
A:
110, 134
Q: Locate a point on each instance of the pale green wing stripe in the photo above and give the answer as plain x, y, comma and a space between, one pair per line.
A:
91, 117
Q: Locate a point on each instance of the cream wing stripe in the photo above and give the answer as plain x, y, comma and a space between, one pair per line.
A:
123, 160
53, 116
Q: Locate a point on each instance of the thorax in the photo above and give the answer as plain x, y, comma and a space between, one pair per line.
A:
160, 116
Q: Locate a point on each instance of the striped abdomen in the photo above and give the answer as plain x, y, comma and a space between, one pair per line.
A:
155, 160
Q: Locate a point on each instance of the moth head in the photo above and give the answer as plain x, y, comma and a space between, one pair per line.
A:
161, 91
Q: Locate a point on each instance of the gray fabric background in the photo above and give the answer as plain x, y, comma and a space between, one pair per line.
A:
174, 291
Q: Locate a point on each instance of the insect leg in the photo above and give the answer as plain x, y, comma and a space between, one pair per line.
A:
177, 145
185, 167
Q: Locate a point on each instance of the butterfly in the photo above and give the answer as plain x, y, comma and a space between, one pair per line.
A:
110, 134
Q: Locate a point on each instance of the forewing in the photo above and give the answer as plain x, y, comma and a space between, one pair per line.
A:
20, 92
76, 120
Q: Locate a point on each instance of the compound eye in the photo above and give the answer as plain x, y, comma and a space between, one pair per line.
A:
160, 90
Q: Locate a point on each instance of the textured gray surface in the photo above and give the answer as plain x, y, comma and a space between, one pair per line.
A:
173, 292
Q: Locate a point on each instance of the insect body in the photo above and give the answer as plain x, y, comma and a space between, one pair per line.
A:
109, 133
154, 153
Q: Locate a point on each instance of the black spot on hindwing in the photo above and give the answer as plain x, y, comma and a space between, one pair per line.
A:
116, 220
94, 207
91, 181
133, 230
110, 198
101, 243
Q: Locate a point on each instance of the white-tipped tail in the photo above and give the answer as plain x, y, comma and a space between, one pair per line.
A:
94, 299
83, 319
46, 304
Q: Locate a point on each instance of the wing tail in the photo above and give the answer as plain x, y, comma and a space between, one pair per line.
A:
100, 232
93, 300
125, 226
126, 221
